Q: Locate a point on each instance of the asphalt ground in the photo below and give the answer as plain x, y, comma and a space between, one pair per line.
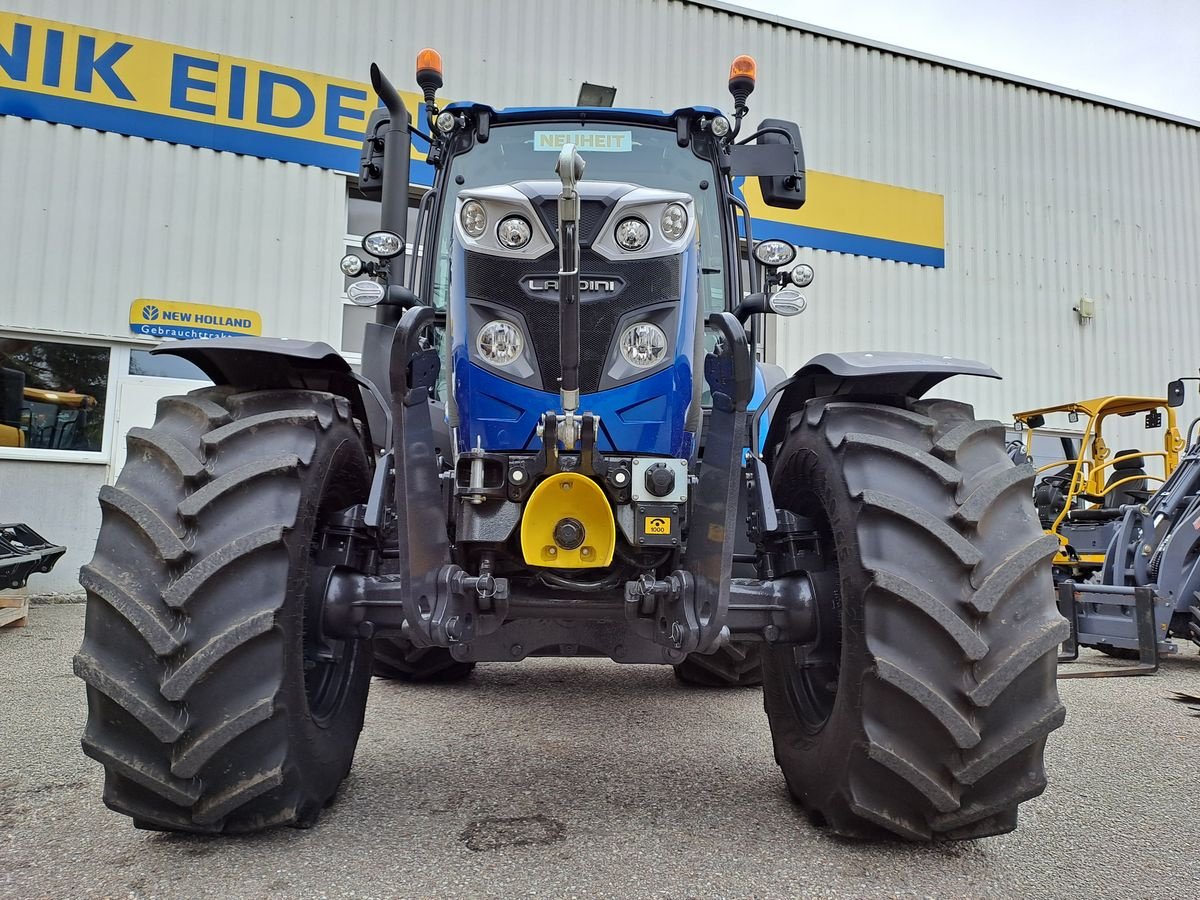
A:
565, 778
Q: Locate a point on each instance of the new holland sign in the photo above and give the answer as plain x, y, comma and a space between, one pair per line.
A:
89, 78
172, 319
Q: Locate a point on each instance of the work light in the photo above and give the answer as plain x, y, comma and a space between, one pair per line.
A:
383, 244
774, 253
674, 221
473, 218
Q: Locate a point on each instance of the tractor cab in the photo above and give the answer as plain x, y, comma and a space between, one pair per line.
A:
1082, 483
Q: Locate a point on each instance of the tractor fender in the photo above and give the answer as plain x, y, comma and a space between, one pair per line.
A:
279, 364
863, 375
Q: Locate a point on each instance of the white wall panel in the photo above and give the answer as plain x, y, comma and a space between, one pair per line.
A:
93, 221
1048, 197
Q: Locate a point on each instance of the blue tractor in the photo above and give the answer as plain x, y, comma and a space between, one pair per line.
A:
560, 443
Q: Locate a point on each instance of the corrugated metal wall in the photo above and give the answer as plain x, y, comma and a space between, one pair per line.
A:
93, 221
1048, 198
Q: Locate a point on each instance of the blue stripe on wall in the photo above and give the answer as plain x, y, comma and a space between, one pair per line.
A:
856, 244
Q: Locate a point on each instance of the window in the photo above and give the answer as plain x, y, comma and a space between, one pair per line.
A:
142, 362
362, 217
53, 396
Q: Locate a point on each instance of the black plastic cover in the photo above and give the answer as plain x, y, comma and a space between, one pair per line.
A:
786, 191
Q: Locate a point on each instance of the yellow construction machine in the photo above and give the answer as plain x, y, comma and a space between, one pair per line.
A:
48, 420
1081, 484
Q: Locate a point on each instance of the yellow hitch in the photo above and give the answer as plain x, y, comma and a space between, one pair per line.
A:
568, 524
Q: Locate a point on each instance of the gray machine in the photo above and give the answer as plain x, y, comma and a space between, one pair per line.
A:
1147, 592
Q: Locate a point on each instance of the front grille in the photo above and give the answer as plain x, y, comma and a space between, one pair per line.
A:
643, 283
592, 214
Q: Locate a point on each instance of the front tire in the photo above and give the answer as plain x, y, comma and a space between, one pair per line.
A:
923, 708
214, 703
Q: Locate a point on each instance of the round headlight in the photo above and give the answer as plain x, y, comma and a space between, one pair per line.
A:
632, 234
643, 345
802, 275
446, 122
473, 218
674, 221
514, 232
499, 342
351, 265
720, 126
774, 253
383, 244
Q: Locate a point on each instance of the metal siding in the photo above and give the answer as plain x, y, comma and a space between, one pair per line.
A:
94, 221
1048, 198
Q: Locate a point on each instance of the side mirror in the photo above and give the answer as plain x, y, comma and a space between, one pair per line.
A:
786, 191
1176, 393
370, 161
1035, 421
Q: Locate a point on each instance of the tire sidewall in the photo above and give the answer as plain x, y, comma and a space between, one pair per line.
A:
829, 750
321, 752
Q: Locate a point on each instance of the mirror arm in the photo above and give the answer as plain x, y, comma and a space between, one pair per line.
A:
770, 129
751, 305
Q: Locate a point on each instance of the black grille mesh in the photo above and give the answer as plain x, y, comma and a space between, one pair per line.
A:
643, 283
592, 214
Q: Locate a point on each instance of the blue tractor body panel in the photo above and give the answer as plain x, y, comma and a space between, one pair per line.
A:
643, 414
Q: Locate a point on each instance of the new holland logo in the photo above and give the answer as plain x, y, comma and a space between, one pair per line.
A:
150, 313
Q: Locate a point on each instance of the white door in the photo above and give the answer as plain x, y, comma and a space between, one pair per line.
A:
137, 400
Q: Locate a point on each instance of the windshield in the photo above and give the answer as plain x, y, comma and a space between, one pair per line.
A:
636, 154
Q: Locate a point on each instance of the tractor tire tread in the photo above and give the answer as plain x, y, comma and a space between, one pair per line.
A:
959, 632
189, 706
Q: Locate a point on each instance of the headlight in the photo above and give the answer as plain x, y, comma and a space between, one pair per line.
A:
473, 218
674, 221
446, 122
514, 232
720, 126
351, 265
643, 345
499, 342
383, 244
774, 253
632, 234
